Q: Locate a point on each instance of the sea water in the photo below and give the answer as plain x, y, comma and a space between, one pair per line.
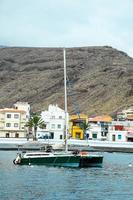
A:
114, 181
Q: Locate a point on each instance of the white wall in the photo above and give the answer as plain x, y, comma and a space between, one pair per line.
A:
117, 135
94, 129
54, 118
23, 106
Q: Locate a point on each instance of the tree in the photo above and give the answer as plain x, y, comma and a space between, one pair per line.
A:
34, 122
84, 126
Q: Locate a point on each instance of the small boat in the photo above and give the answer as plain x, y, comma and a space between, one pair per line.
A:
61, 159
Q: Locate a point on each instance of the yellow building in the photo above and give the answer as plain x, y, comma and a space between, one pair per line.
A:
13, 120
75, 123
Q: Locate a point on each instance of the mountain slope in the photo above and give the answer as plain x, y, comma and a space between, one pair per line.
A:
101, 78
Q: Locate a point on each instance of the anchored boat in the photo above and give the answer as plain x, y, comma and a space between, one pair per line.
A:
61, 159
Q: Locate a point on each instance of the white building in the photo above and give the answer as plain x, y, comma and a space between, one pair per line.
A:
121, 131
94, 131
117, 136
23, 106
125, 114
54, 118
13, 120
97, 131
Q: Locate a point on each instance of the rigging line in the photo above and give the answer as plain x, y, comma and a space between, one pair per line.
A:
73, 94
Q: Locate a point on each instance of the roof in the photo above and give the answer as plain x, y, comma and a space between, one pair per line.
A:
130, 117
104, 118
78, 117
12, 110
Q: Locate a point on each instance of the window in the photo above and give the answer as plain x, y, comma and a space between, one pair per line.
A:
52, 135
53, 117
7, 135
8, 115
46, 136
52, 126
102, 133
60, 117
16, 116
59, 126
15, 124
61, 137
16, 135
119, 137
8, 124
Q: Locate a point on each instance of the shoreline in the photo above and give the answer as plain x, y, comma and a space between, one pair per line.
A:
83, 145
71, 148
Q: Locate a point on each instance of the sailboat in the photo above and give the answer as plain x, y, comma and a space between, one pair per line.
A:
63, 158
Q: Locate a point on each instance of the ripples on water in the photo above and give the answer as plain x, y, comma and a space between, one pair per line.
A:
111, 182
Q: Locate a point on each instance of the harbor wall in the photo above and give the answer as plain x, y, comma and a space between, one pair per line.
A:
14, 144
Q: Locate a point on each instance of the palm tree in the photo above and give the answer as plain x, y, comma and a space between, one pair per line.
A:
34, 122
84, 126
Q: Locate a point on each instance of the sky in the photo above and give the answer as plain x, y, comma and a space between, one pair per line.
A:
67, 23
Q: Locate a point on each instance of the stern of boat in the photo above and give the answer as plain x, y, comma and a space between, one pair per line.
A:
91, 161
17, 160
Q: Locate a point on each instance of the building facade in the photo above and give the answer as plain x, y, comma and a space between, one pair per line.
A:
13, 120
126, 114
121, 131
54, 118
76, 126
94, 132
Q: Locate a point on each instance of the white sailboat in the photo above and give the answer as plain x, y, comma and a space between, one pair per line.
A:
61, 159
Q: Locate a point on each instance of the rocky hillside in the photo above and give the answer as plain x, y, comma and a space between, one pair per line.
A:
100, 78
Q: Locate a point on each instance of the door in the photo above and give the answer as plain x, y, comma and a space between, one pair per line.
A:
113, 137
94, 135
7, 135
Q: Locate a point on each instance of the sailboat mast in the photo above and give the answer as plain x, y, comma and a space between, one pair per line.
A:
65, 91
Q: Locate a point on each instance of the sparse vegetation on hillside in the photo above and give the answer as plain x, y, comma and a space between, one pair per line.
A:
102, 78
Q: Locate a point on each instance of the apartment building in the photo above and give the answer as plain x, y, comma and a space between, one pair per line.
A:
54, 118
126, 114
13, 120
121, 131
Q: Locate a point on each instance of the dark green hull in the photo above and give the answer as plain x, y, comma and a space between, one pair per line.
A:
61, 161
64, 161
91, 161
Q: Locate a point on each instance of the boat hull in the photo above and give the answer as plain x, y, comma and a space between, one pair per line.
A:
64, 160
61, 161
91, 161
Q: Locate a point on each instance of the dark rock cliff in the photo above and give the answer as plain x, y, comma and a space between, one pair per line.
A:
100, 78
